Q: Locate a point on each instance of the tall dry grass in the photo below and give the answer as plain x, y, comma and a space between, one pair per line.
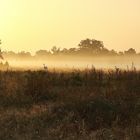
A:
76, 105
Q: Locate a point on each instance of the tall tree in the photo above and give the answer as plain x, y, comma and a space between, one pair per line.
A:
91, 44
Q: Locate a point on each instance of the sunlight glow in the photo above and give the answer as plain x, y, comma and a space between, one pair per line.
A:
31, 25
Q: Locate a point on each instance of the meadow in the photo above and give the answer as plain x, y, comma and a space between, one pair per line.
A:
85, 104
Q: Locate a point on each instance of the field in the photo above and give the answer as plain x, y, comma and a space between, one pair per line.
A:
85, 104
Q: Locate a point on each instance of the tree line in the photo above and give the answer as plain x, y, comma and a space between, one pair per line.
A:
87, 47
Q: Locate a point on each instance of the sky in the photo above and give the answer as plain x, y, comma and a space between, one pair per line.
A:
31, 25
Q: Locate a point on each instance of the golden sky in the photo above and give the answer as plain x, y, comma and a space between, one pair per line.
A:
31, 25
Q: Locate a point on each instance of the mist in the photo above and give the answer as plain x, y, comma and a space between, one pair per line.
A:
77, 63
89, 53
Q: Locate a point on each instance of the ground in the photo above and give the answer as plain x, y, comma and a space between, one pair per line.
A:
70, 105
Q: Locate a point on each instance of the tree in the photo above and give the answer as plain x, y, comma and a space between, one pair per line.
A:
64, 51
1, 57
24, 54
130, 51
72, 50
113, 52
105, 51
91, 44
42, 53
55, 50
121, 53
90, 47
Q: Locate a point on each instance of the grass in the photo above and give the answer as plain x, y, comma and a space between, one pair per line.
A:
76, 105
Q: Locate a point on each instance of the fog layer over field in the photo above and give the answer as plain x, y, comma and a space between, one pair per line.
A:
68, 63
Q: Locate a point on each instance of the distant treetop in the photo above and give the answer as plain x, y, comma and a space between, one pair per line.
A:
86, 47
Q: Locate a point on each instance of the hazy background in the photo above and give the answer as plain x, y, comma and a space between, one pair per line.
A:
99, 63
31, 25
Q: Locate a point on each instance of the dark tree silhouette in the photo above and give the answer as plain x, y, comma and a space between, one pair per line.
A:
87, 47
130, 51
92, 44
55, 50
42, 53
